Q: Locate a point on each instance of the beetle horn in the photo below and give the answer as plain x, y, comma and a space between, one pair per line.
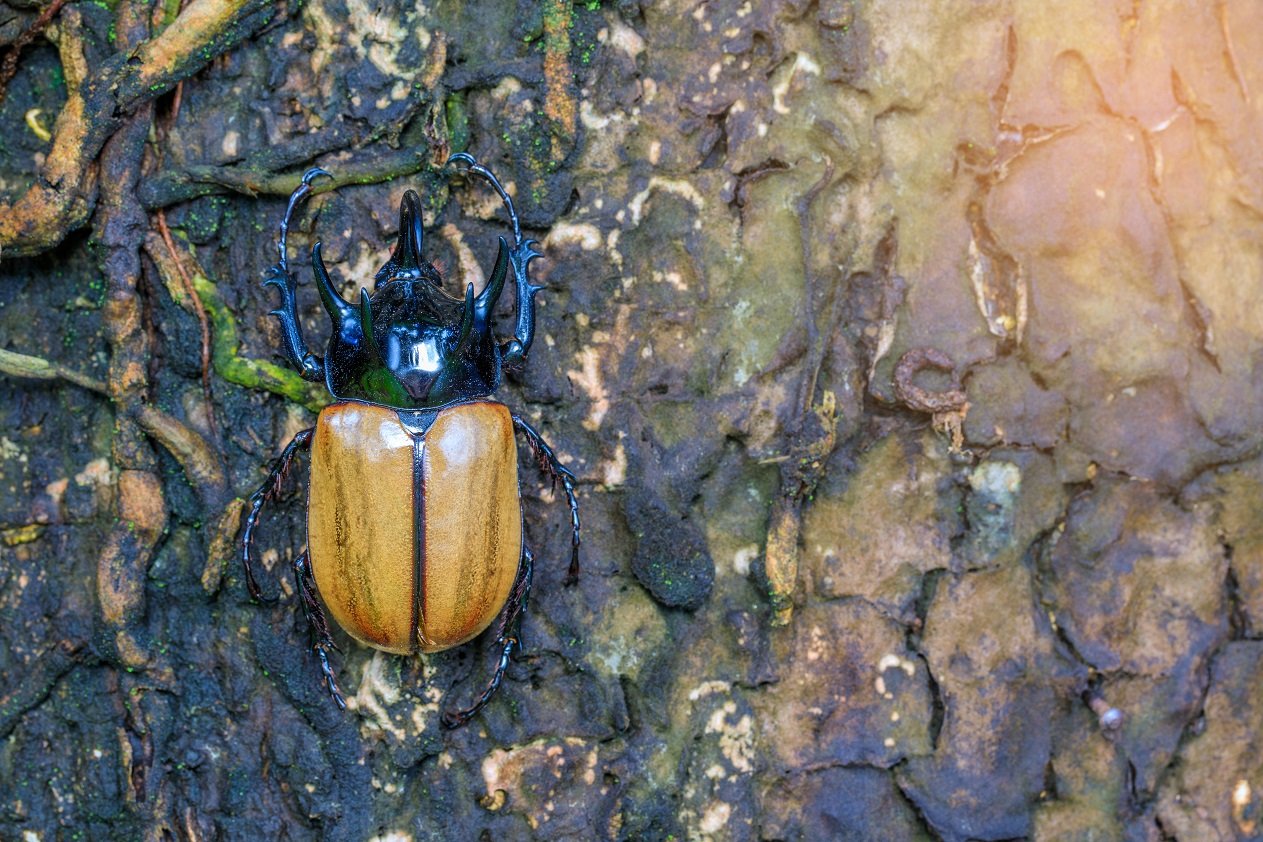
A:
366, 323
407, 253
495, 284
339, 310
466, 324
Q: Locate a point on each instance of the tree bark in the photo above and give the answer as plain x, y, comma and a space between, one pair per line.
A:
906, 356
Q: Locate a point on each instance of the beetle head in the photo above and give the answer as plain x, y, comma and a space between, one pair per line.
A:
411, 344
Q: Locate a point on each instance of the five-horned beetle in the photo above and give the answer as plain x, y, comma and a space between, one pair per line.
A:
414, 520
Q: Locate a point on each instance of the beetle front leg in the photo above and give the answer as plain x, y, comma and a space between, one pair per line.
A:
508, 638
268, 491
521, 254
279, 276
322, 641
514, 351
551, 465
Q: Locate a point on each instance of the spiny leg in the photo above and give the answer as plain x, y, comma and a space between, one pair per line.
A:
268, 491
523, 252
279, 276
508, 638
322, 641
552, 467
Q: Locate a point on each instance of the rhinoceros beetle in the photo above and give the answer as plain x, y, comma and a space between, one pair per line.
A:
414, 516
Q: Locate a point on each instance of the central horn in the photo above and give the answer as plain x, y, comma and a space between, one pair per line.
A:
407, 253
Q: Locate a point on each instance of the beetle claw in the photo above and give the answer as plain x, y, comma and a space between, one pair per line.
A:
528, 252
314, 173
256, 593
331, 683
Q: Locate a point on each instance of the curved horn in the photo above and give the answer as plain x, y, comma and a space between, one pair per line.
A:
495, 284
466, 323
339, 310
366, 323
407, 253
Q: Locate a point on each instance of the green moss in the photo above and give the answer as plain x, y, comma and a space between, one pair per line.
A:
244, 371
457, 117
170, 11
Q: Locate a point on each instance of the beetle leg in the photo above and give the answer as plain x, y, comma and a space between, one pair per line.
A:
508, 638
322, 641
279, 276
268, 491
521, 254
514, 351
552, 467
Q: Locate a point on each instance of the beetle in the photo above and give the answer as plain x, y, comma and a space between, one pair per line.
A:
414, 516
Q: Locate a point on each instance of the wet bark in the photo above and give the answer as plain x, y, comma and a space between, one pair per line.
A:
907, 356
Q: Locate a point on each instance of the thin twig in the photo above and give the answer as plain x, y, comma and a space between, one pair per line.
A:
9, 66
38, 368
202, 320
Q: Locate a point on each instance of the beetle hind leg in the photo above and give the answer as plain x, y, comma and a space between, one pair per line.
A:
552, 467
508, 638
268, 491
322, 641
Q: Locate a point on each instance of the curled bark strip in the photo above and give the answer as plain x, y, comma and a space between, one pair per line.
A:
250, 180
223, 544
62, 196
913, 396
142, 515
196, 457
61, 199
38, 368
196, 303
268, 171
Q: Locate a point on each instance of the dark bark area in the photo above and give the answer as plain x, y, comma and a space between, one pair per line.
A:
907, 356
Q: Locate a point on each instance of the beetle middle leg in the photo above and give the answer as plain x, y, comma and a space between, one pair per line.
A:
551, 465
268, 491
322, 641
508, 638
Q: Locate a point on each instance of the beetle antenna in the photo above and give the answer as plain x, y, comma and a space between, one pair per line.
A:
475, 167
297, 196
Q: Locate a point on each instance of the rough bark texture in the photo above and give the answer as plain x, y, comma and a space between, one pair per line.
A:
909, 355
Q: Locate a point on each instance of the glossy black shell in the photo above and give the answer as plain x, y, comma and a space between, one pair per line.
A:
411, 344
